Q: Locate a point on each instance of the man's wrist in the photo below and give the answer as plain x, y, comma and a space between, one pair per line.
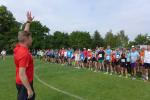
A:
29, 22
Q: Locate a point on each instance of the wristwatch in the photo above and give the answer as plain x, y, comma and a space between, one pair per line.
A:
28, 22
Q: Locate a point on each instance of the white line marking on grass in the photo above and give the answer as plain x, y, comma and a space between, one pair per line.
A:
56, 89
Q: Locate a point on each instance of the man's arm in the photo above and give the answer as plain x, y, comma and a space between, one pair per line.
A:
25, 82
29, 20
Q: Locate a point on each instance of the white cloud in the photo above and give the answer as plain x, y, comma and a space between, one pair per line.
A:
87, 15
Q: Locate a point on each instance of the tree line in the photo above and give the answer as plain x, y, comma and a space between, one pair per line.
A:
42, 39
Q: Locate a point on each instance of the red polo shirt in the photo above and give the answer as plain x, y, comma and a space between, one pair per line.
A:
23, 58
85, 53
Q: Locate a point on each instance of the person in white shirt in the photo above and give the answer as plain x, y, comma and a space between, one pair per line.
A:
3, 54
77, 58
65, 56
147, 62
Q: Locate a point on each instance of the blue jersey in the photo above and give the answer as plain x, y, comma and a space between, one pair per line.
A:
118, 54
134, 56
128, 56
108, 54
69, 53
82, 56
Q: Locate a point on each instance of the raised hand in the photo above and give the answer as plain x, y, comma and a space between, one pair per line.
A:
29, 16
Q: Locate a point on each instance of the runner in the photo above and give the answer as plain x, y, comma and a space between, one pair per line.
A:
134, 58
142, 68
94, 60
108, 53
89, 57
41, 53
77, 58
123, 64
117, 61
69, 54
62, 56
113, 62
81, 59
56, 56
147, 62
101, 57
85, 57
128, 57
65, 57
3, 54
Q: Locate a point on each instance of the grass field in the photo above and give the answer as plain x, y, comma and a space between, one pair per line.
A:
82, 83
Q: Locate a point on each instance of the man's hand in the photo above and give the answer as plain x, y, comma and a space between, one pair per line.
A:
29, 20
29, 16
25, 82
30, 93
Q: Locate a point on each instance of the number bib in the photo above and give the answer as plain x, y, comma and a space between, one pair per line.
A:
100, 55
122, 60
107, 57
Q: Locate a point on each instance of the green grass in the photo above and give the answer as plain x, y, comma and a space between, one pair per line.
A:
83, 83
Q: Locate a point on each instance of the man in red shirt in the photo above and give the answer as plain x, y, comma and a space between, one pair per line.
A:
24, 63
85, 57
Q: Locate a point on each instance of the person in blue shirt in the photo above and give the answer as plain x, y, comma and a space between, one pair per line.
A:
69, 54
81, 59
134, 58
108, 52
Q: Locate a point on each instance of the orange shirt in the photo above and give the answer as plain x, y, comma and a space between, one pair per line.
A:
142, 56
113, 58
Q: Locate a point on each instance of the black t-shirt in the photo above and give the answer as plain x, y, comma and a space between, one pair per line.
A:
101, 55
123, 59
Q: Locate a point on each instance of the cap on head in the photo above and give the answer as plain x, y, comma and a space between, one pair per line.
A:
89, 50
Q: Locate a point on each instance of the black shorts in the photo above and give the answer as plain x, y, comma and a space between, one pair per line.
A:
113, 64
94, 59
117, 62
107, 61
128, 64
61, 57
22, 92
147, 65
85, 60
65, 59
53, 56
123, 64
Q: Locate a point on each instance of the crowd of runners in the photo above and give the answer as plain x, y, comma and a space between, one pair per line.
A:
126, 62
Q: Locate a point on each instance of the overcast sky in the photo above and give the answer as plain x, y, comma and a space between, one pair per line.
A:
133, 16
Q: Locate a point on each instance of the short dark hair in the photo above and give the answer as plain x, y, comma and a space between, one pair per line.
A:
23, 34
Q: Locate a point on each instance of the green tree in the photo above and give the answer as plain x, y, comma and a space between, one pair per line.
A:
110, 39
97, 40
121, 39
131, 43
142, 39
39, 34
60, 40
9, 28
80, 39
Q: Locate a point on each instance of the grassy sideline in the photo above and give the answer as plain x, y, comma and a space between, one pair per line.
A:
84, 83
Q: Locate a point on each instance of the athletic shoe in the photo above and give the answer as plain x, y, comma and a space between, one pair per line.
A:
133, 78
106, 73
126, 77
110, 74
95, 71
120, 75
